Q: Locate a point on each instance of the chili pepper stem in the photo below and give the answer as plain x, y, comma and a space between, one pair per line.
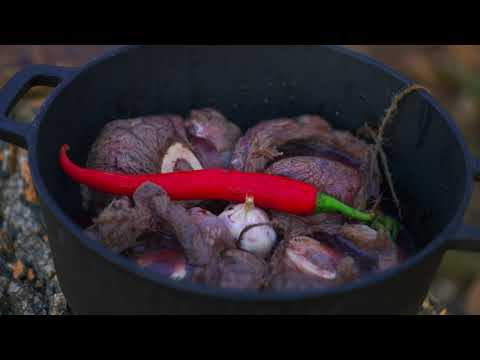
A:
328, 204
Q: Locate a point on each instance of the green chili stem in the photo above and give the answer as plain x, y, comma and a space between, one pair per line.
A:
328, 204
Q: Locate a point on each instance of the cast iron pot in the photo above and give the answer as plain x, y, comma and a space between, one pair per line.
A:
432, 168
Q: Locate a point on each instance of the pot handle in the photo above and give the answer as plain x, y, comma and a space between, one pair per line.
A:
468, 236
33, 75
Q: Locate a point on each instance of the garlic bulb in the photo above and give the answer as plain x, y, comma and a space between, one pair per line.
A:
250, 226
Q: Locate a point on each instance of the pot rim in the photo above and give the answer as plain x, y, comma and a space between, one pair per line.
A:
241, 295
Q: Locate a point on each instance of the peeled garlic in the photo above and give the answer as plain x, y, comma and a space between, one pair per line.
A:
258, 240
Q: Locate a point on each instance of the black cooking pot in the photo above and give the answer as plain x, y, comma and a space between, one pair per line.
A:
431, 166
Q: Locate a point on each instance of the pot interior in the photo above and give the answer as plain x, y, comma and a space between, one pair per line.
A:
250, 84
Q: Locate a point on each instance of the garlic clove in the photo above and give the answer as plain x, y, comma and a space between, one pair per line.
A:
234, 217
250, 227
259, 240
176, 152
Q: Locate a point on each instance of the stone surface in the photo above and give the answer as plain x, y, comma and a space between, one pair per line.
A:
28, 281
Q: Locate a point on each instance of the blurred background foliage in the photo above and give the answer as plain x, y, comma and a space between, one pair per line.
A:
451, 72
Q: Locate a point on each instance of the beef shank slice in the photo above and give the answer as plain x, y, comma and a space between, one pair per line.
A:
234, 269
213, 137
308, 135
136, 146
331, 177
133, 146
328, 176
260, 143
201, 234
366, 238
313, 263
289, 225
119, 225
126, 223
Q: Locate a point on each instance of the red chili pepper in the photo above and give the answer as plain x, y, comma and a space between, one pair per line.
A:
269, 191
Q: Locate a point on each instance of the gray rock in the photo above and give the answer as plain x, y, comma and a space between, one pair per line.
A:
20, 217
34, 250
21, 238
4, 283
52, 287
12, 189
24, 300
58, 305
7, 246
